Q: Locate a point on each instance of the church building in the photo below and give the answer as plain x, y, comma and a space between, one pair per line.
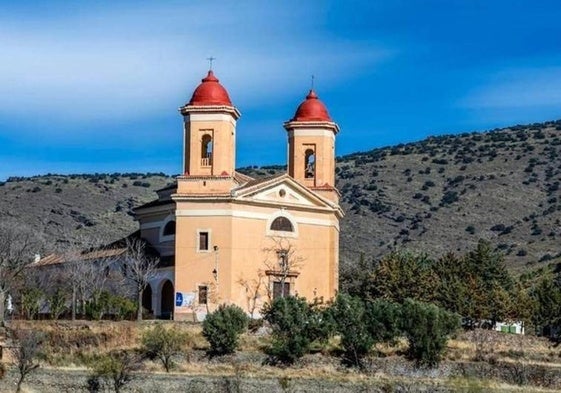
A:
224, 237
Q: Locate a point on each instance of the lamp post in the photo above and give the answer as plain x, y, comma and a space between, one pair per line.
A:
215, 271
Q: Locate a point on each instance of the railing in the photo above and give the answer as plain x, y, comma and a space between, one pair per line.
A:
206, 161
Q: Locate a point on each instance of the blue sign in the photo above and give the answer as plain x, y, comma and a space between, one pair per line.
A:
178, 299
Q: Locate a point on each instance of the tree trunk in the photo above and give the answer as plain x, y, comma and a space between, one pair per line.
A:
20, 381
2, 306
73, 303
139, 300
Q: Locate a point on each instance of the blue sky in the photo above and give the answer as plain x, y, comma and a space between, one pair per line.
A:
95, 86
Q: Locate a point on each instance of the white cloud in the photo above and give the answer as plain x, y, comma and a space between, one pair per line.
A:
121, 64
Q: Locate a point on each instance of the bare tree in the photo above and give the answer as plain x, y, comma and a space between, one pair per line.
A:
25, 353
87, 268
115, 369
282, 262
139, 268
254, 290
17, 246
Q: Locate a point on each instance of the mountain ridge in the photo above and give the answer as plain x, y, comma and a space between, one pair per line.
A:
440, 194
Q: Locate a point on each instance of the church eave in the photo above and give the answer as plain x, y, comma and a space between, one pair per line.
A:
188, 109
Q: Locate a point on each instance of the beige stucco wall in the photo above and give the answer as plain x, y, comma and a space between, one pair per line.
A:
246, 249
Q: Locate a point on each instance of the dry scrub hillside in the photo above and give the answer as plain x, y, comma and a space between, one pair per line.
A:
437, 195
63, 207
445, 193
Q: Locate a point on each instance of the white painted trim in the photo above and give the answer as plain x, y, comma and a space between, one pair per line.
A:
287, 215
250, 215
311, 132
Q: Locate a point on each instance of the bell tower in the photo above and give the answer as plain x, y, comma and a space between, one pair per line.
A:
209, 148
311, 147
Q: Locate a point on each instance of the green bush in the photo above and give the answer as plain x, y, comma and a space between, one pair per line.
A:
57, 303
30, 302
384, 320
114, 369
350, 316
98, 305
427, 328
164, 344
104, 303
122, 307
293, 328
223, 327
361, 324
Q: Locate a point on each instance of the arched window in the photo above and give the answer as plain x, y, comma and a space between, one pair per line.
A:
206, 150
282, 224
309, 164
169, 229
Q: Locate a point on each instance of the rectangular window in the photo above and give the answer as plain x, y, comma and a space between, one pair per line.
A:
203, 294
280, 290
203, 241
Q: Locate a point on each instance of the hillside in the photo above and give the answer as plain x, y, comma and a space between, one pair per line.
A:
437, 195
87, 205
445, 193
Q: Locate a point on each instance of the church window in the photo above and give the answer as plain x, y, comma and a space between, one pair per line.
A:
203, 241
169, 229
310, 164
206, 150
282, 224
203, 294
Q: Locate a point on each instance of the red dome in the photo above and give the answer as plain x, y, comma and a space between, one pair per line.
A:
210, 92
312, 109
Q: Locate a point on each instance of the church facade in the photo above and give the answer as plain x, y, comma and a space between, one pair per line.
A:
224, 237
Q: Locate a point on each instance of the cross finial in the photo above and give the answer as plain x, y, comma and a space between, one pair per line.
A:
312, 82
210, 60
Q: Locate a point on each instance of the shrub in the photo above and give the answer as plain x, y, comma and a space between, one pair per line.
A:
361, 324
57, 303
448, 198
383, 320
30, 302
427, 328
122, 307
350, 317
26, 352
223, 327
103, 303
114, 369
164, 344
289, 318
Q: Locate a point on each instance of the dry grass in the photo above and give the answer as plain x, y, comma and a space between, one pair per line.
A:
74, 344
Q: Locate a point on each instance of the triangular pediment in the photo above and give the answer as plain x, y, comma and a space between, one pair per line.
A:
282, 190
